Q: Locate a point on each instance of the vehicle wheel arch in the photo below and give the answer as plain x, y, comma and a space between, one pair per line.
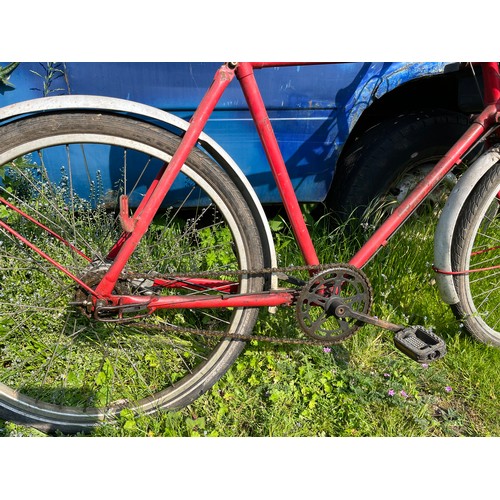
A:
434, 94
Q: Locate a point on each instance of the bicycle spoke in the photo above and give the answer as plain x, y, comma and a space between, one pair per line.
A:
74, 365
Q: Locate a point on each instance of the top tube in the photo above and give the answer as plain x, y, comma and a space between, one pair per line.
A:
491, 75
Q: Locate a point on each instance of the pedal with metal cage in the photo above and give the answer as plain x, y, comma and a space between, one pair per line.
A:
416, 342
420, 344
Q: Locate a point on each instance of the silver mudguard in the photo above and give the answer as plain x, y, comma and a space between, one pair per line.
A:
101, 103
448, 219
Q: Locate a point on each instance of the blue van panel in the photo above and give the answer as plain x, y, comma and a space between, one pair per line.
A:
312, 108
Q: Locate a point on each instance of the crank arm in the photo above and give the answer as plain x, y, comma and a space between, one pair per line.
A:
416, 342
342, 310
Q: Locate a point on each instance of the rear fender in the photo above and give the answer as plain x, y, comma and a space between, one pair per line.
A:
99, 103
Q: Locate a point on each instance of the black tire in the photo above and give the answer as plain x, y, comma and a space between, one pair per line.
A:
373, 166
63, 370
476, 245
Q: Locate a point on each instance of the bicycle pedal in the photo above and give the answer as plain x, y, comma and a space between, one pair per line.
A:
419, 344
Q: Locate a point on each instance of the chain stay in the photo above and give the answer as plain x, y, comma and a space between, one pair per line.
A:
282, 274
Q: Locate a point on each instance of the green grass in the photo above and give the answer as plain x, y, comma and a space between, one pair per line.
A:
363, 387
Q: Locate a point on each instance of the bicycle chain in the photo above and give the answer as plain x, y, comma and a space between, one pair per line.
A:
246, 272
241, 272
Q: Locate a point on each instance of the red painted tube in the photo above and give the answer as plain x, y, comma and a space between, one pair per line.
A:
116, 248
407, 207
42, 254
210, 302
491, 82
244, 73
45, 228
201, 284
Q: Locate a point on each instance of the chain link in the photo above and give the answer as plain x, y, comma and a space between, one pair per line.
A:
241, 272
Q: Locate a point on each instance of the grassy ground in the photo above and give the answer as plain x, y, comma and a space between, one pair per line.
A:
364, 387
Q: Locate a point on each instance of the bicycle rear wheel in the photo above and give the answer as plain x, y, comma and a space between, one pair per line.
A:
64, 370
476, 256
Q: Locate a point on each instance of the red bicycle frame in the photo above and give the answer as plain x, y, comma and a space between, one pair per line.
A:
135, 226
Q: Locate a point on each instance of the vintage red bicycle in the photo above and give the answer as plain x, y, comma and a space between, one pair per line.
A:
108, 304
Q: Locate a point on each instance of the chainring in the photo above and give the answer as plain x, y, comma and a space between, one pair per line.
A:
342, 283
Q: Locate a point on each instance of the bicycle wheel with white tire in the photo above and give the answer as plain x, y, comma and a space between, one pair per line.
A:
60, 367
476, 259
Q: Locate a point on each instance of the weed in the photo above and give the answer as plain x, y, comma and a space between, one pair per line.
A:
364, 387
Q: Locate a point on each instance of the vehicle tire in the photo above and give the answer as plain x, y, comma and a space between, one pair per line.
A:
64, 370
476, 245
389, 159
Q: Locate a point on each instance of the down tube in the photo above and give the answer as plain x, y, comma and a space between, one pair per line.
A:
400, 215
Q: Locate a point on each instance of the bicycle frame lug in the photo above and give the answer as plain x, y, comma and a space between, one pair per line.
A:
99, 305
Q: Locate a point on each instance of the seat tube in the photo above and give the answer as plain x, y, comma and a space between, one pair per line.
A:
246, 77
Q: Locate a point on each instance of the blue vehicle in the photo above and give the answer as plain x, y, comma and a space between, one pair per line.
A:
348, 132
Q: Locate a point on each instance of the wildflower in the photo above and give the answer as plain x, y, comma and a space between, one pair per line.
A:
387, 375
425, 365
390, 392
448, 388
403, 394
327, 350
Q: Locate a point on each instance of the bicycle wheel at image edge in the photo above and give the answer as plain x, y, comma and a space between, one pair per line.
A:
61, 369
476, 255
